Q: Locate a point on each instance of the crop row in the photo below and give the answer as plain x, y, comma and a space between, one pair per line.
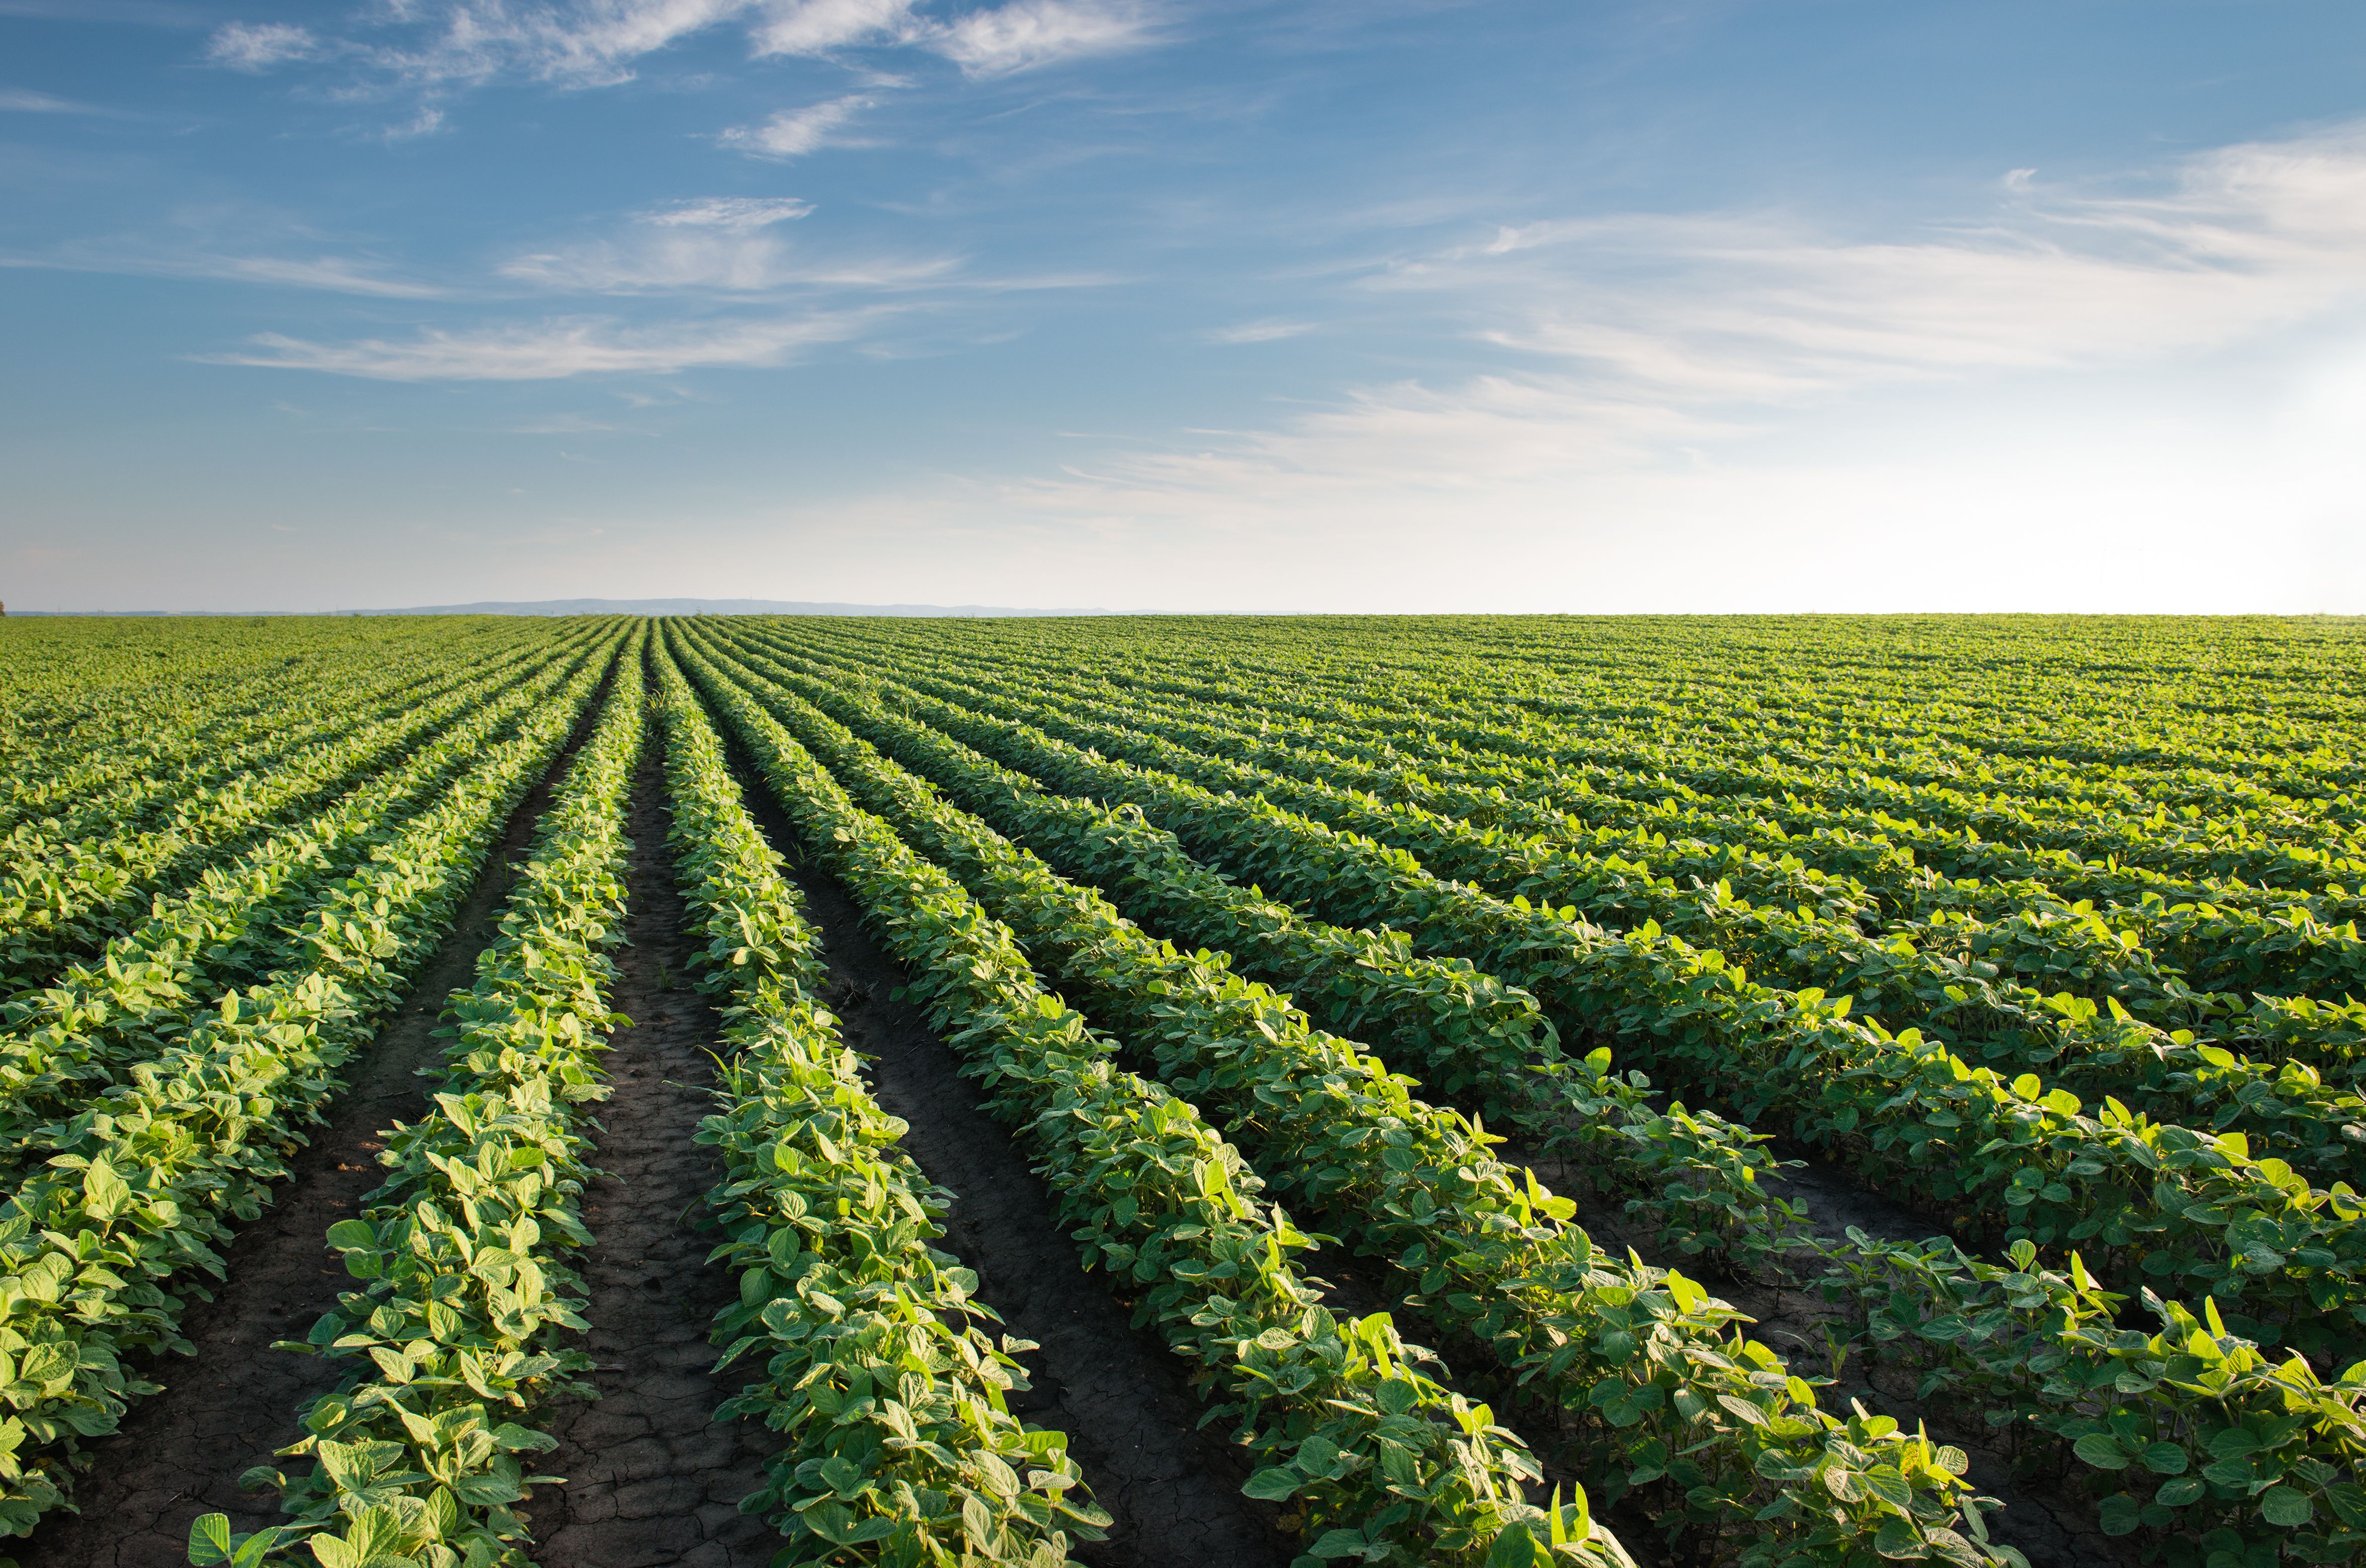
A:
1969, 1328
2273, 1446
1825, 706
1710, 1428
62, 899
2153, 942
1372, 1456
142, 744
1956, 998
2156, 1202
70, 1041
461, 1252
2213, 825
2225, 931
878, 1363
1479, 1042
2015, 943
138, 1190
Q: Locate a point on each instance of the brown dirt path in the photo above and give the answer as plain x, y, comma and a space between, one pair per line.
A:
652, 1479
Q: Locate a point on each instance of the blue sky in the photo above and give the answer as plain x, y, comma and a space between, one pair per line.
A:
1125, 303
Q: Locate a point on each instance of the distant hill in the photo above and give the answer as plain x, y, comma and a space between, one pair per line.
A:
619, 608
712, 607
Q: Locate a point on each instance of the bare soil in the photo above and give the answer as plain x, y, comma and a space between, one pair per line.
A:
653, 1480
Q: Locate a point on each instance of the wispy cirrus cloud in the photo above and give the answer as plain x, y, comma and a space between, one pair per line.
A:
713, 262
18, 100
589, 44
793, 133
1256, 332
560, 349
734, 214
1655, 339
1026, 34
817, 26
1754, 307
259, 46
715, 244
331, 273
593, 43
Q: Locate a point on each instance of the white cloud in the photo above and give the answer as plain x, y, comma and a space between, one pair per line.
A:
737, 214
1753, 413
715, 244
333, 274
593, 43
714, 260
557, 349
336, 274
1719, 305
1028, 33
258, 46
426, 122
814, 26
1257, 332
1471, 440
587, 44
17, 100
793, 133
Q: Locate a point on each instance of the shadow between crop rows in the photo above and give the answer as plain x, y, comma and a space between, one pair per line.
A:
1172, 1489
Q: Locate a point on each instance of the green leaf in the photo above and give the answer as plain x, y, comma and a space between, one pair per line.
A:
1339, 1543
1516, 1548
209, 1540
1898, 1539
47, 1362
251, 1552
519, 1440
487, 1491
2236, 1441
2120, 1514
2101, 1450
2286, 1508
347, 1234
1272, 1486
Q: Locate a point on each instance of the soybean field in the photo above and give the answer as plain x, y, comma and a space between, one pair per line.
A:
1142, 1091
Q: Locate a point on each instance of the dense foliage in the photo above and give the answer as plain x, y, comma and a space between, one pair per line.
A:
2046, 929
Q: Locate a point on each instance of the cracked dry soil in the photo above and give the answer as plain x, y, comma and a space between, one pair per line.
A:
652, 1479
234, 1402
